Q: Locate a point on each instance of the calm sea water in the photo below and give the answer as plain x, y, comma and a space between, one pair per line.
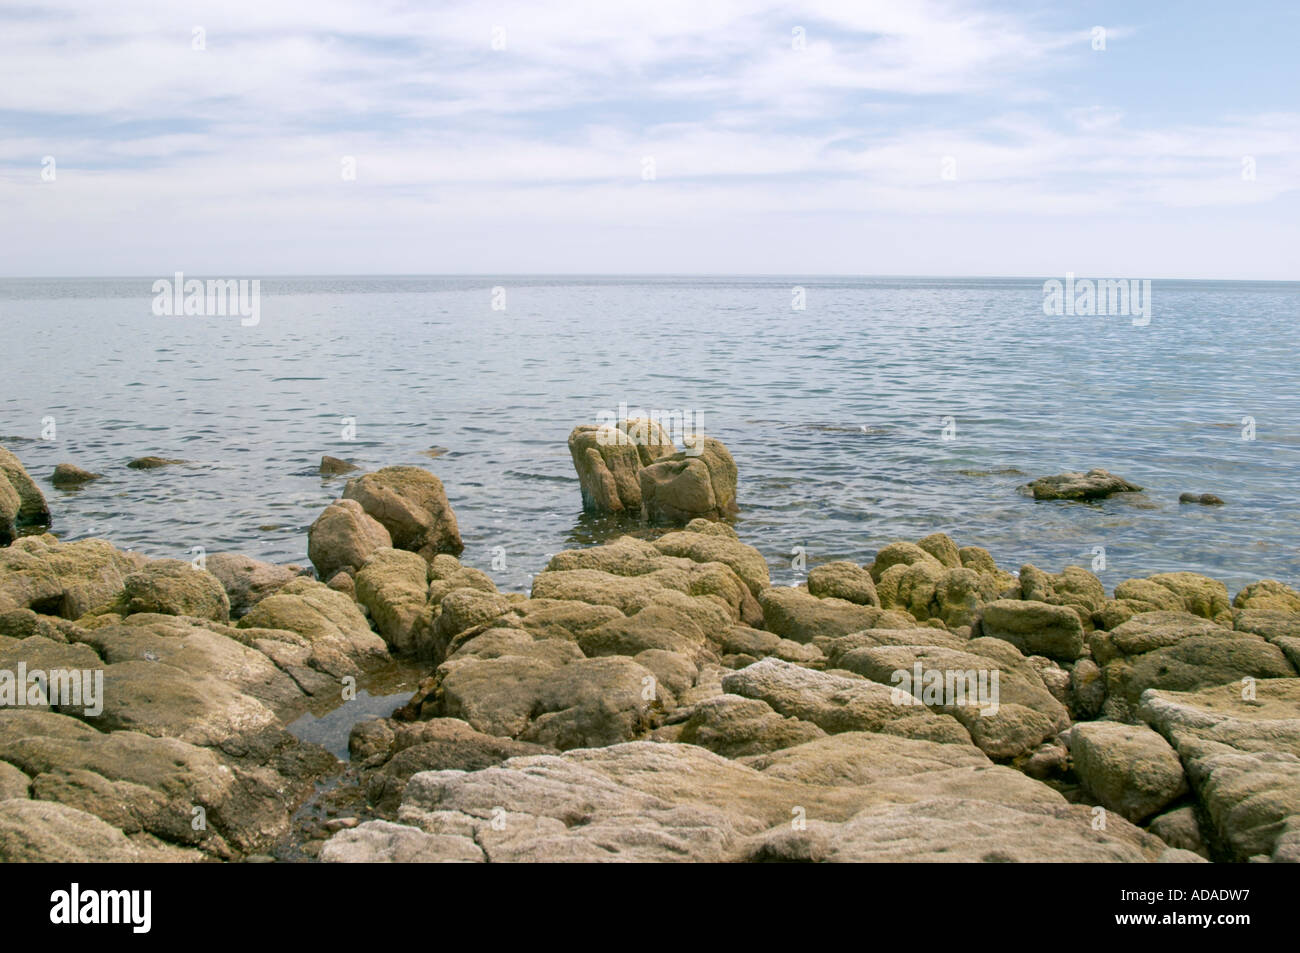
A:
835, 414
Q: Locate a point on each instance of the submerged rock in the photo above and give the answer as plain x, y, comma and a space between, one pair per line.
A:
333, 466
67, 476
1096, 484
153, 463
1205, 499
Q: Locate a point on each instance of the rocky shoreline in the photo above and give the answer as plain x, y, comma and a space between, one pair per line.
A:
649, 699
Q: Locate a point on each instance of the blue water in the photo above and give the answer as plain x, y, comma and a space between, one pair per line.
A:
427, 362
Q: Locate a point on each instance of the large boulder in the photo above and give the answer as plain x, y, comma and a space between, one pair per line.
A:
32, 509
1093, 485
709, 542
696, 483
797, 615
47, 832
843, 580
412, 505
323, 618
609, 458
343, 537
64, 579
734, 726
1128, 768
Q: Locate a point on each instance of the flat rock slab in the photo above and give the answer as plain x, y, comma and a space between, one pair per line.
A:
1096, 484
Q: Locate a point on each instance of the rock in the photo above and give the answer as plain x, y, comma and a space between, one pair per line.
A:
139, 783
412, 505
646, 801
837, 703
1197, 594
1007, 718
394, 584
706, 542
247, 581
153, 463
801, 617
900, 552
977, 558
67, 476
333, 466
1130, 769
1268, 594
689, 485
32, 509
1242, 757
325, 619
609, 459
65, 579
385, 842
1087, 689
1036, 628
441, 744
1179, 829
175, 587
843, 580
1205, 499
13, 783
10, 504
343, 537
46, 832
1093, 485
942, 548
733, 726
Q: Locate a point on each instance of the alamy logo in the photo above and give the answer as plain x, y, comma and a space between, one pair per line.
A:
946, 688
644, 428
215, 298
73, 906
1101, 298
60, 688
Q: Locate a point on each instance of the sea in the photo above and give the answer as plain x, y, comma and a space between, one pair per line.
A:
858, 410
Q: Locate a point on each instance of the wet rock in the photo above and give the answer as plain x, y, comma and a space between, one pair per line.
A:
1096, 484
412, 505
1205, 499
66, 476
343, 537
153, 463
333, 466
1128, 768
689, 485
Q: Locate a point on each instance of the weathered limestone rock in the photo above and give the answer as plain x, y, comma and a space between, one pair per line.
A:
708, 542
333, 466
1242, 757
843, 580
412, 505
343, 537
1128, 768
248, 581
325, 619
609, 459
175, 587
1036, 628
153, 463
733, 726
689, 485
394, 586
47, 832
1268, 594
836, 702
795, 614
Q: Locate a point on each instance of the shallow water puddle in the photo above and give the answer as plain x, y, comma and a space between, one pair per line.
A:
379, 694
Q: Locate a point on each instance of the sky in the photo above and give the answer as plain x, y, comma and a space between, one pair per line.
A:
252, 137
